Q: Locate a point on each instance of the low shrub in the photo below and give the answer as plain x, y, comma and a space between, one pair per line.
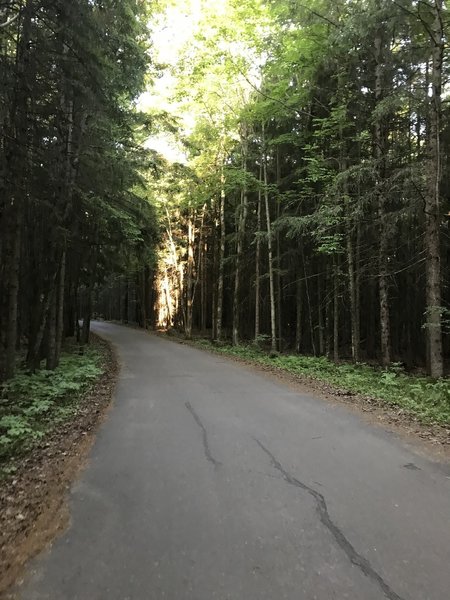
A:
33, 403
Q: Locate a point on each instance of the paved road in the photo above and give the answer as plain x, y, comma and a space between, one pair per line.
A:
211, 482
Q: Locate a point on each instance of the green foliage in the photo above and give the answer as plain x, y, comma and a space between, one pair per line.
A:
330, 97
422, 397
31, 404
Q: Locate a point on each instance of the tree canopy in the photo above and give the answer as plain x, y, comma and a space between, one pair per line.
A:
316, 133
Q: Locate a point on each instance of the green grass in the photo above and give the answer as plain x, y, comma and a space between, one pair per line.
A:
31, 405
420, 396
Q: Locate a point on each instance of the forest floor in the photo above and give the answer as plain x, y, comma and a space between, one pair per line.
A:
34, 486
425, 434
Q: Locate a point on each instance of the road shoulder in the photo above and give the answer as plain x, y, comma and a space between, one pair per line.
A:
33, 502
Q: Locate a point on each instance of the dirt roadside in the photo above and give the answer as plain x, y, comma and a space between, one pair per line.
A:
33, 503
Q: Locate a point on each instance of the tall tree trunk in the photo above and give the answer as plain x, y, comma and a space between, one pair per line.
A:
18, 161
298, 312
432, 201
34, 349
203, 287
354, 312
320, 315
357, 308
193, 270
310, 312
214, 283
336, 279
189, 278
273, 325
87, 313
380, 140
51, 332
221, 261
328, 312
258, 261
13, 293
279, 297
60, 310
242, 217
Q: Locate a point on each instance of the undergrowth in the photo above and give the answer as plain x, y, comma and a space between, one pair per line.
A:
33, 404
427, 399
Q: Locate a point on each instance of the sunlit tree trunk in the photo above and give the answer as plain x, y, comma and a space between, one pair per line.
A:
279, 298
258, 261
203, 286
219, 309
215, 253
242, 217
189, 279
193, 267
273, 325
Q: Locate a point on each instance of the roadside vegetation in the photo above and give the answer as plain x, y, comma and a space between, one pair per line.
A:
305, 195
47, 424
422, 397
32, 405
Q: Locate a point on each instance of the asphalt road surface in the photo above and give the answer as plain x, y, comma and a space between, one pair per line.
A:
209, 481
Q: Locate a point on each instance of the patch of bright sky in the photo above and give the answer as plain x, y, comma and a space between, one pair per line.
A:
170, 34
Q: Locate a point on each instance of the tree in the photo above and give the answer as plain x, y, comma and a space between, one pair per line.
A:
69, 164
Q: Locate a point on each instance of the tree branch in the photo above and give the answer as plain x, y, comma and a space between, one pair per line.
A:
9, 21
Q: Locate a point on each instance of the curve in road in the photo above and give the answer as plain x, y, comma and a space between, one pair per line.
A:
210, 481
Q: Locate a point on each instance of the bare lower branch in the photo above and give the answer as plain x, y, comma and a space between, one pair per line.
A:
9, 21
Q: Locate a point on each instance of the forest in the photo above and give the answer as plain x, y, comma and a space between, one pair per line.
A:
260, 172
224, 299
73, 206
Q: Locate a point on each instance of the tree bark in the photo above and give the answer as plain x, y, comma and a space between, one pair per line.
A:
432, 201
60, 310
380, 139
336, 275
354, 312
51, 333
298, 312
215, 252
13, 293
258, 261
221, 261
279, 297
190, 288
273, 325
242, 217
320, 315
15, 205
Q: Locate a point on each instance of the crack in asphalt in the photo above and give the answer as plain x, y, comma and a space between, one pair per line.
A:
206, 448
321, 506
